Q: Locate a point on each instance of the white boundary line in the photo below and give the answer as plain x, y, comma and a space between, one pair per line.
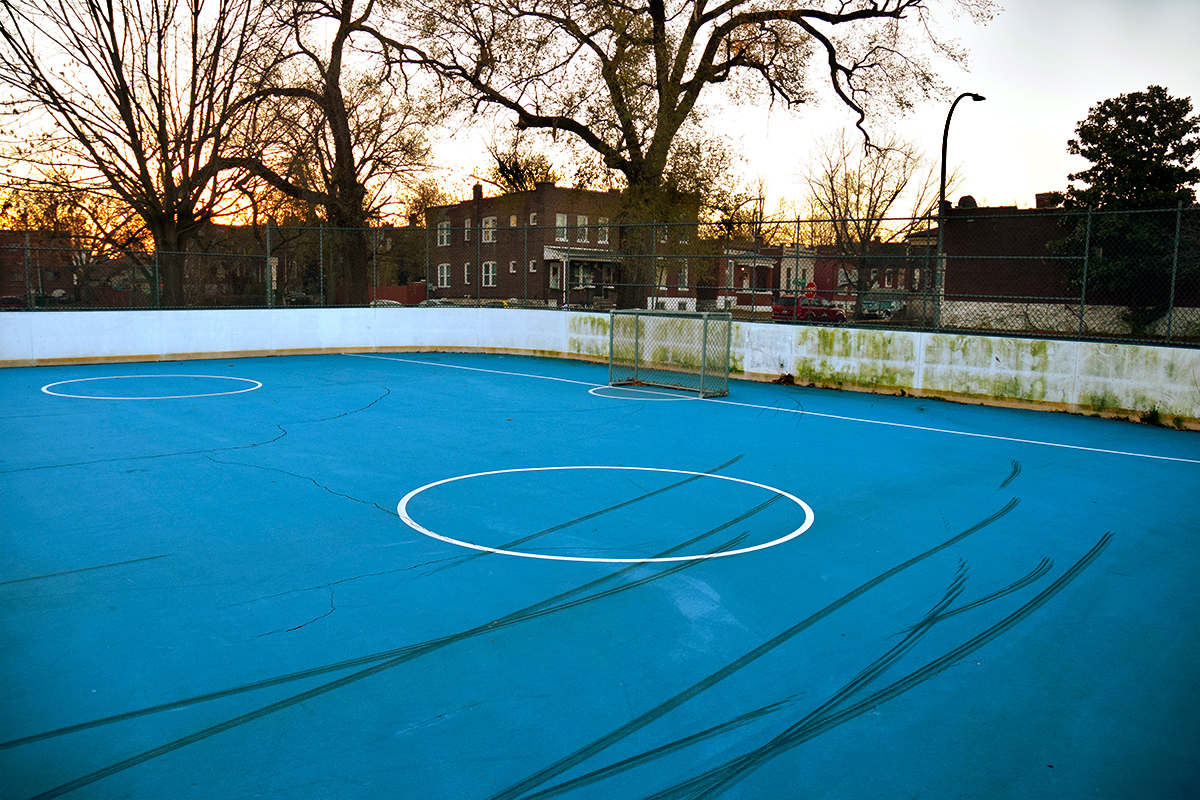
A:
49, 386
476, 369
663, 397
832, 416
958, 433
402, 510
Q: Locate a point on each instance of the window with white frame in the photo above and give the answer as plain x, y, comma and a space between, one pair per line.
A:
533, 220
489, 229
512, 267
560, 227
443, 276
554, 276
533, 265
581, 276
443, 234
489, 273
602, 230
887, 279
512, 220
581, 231
466, 230
683, 277
467, 272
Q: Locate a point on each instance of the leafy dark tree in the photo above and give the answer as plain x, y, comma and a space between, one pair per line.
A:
1143, 148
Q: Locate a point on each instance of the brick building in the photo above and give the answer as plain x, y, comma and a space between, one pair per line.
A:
551, 245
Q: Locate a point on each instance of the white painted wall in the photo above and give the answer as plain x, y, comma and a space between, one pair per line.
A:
1117, 379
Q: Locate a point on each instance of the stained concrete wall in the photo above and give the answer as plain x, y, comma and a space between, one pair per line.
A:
1086, 377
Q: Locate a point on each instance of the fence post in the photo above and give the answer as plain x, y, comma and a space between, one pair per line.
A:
654, 265
29, 300
374, 263
1087, 250
270, 273
1174, 271
321, 259
157, 280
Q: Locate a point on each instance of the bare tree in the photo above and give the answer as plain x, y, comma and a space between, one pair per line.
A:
871, 194
141, 95
625, 78
333, 126
517, 166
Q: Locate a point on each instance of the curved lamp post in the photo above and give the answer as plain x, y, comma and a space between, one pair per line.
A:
941, 254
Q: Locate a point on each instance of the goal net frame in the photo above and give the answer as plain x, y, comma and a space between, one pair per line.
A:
681, 350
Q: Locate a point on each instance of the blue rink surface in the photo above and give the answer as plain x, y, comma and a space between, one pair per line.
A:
224, 579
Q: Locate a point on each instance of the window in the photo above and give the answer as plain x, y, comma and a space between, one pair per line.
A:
489, 273
443, 234
443, 275
874, 277
533, 220
887, 279
554, 276
533, 266
512, 220
581, 233
683, 277
602, 230
489, 229
467, 272
560, 227
466, 230
512, 267
582, 277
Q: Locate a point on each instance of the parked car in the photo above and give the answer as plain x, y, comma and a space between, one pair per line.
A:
12, 303
806, 309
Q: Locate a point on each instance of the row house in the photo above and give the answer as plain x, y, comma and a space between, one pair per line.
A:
751, 277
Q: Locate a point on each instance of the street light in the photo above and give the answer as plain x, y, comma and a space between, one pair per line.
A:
941, 254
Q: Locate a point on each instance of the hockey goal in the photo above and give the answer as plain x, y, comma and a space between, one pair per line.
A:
681, 350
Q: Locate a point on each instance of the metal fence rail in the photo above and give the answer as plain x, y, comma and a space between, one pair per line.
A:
1120, 276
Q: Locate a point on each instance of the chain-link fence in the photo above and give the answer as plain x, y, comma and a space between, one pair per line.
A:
1121, 276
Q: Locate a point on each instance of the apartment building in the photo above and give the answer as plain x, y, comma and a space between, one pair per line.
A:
552, 245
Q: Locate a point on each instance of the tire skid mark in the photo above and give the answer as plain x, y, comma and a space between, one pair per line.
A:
717, 779
662, 709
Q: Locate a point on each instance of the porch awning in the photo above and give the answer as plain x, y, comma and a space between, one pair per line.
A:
579, 254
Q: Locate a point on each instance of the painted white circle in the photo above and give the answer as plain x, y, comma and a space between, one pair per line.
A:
402, 510
661, 396
47, 388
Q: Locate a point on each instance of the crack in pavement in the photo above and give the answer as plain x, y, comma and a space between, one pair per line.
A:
205, 452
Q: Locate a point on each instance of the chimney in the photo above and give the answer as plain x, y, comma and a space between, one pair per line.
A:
477, 193
1048, 199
